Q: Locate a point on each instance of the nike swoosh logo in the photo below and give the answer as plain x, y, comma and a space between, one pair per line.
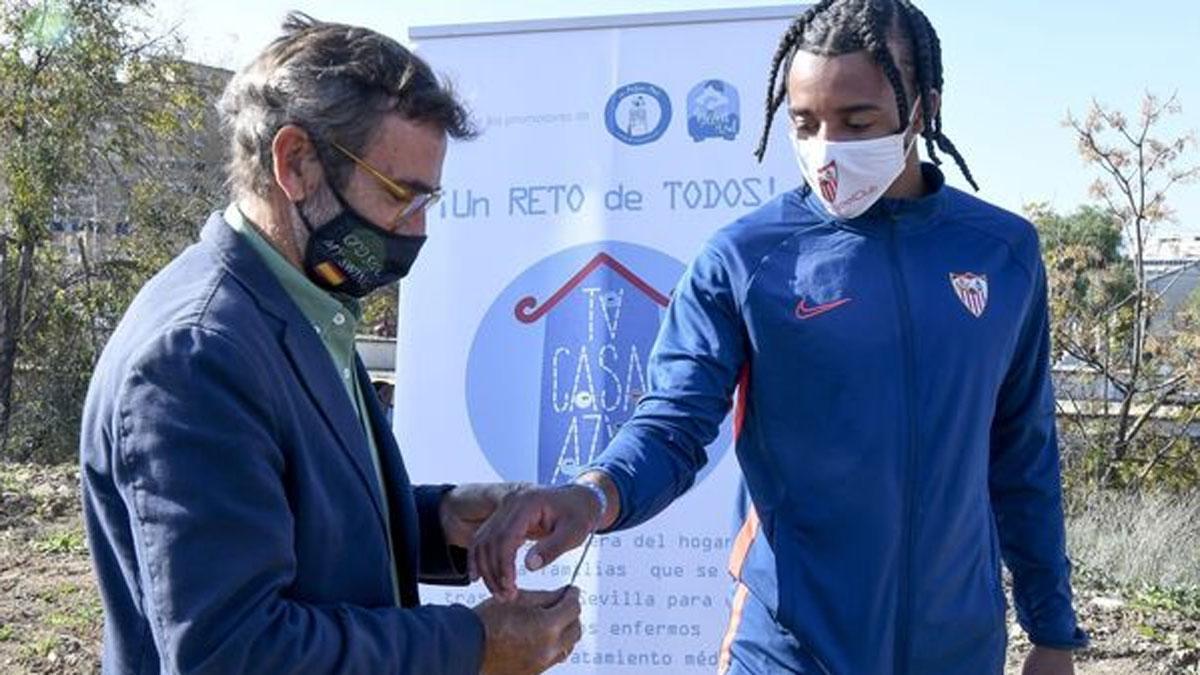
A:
804, 312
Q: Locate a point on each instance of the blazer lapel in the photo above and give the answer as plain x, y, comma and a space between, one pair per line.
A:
307, 354
314, 367
405, 520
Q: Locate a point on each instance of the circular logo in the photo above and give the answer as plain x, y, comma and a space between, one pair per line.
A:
638, 113
364, 250
560, 360
714, 111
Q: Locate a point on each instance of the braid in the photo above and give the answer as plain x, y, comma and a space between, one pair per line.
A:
777, 93
929, 69
873, 31
835, 27
928, 76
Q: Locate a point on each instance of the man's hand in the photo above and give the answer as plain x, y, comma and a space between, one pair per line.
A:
1046, 661
559, 518
529, 635
466, 507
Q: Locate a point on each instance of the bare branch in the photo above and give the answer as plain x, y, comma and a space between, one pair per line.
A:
1077, 418
1111, 166
1162, 452
1151, 409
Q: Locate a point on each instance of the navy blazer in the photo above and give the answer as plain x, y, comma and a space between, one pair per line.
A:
235, 521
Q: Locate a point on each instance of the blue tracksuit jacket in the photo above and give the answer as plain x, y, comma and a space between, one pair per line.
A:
897, 435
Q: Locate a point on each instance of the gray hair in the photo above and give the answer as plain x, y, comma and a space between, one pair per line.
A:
336, 82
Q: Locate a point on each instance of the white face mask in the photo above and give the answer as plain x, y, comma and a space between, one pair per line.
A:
850, 176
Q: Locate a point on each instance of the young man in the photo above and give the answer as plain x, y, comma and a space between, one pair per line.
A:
889, 334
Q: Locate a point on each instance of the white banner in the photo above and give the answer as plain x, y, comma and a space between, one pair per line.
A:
612, 148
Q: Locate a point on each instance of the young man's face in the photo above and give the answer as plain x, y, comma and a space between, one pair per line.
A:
841, 98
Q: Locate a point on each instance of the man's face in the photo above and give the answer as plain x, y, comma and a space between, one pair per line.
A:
409, 154
840, 98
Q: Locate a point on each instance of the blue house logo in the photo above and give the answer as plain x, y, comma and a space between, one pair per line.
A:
560, 360
638, 113
714, 111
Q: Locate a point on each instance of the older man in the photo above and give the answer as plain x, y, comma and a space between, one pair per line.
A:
246, 504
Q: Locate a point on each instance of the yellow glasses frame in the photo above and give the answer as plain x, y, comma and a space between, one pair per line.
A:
412, 201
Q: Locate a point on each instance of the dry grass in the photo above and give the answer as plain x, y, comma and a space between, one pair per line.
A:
1137, 583
1138, 540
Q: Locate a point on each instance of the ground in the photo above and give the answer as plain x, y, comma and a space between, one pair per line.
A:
1133, 632
50, 616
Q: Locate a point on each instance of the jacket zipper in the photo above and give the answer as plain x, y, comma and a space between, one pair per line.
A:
911, 472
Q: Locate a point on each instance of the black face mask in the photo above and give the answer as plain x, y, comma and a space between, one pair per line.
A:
350, 255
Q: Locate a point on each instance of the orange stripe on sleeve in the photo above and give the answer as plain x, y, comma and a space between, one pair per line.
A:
735, 621
741, 545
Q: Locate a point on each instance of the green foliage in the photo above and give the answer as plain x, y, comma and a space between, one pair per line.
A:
1089, 280
1184, 601
101, 119
68, 542
99, 94
1089, 227
381, 310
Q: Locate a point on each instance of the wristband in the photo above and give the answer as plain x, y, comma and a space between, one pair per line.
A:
601, 496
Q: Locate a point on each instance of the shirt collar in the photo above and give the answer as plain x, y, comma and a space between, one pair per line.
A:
319, 306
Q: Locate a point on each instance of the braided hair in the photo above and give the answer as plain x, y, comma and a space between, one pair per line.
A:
836, 27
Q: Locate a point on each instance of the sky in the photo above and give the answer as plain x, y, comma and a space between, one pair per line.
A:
1013, 69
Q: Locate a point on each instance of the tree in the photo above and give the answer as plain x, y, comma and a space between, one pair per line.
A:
94, 106
1088, 276
1090, 227
1106, 307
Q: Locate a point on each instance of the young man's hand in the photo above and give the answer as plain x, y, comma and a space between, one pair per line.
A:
558, 518
1046, 661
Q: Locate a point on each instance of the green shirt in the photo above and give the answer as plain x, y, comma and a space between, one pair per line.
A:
335, 320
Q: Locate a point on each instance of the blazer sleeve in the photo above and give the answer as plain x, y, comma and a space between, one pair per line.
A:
441, 563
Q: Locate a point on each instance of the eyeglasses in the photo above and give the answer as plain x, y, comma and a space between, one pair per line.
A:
411, 201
